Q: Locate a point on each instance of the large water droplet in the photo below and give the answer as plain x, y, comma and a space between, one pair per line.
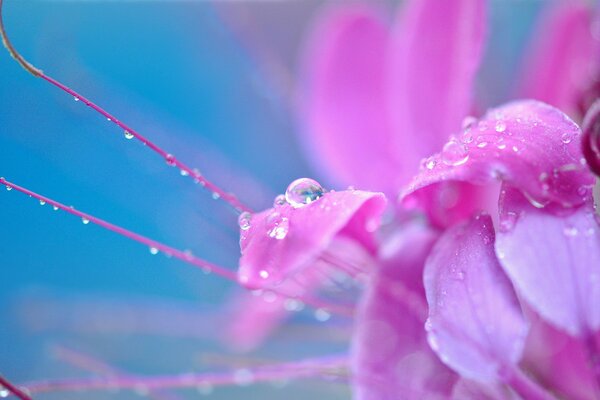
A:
455, 153
153, 251
244, 220
303, 191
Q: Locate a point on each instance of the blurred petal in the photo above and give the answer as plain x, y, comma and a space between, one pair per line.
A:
558, 271
347, 133
591, 137
533, 146
475, 321
434, 56
391, 357
466, 389
564, 57
281, 241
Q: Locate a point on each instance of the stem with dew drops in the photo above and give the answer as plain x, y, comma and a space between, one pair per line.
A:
13, 389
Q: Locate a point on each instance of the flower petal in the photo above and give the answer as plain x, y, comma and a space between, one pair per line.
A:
591, 137
347, 132
564, 57
531, 145
434, 56
281, 241
558, 270
466, 389
390, 357
475, 322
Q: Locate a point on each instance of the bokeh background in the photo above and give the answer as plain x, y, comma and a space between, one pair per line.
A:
215, 84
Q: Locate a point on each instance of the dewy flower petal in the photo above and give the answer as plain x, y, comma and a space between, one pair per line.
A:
475, 321
531, 145
591, 137
434, 56
564, 59
390, 355
558, 270
347, 132
282, 241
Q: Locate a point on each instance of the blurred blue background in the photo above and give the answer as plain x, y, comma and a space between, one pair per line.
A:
210, 82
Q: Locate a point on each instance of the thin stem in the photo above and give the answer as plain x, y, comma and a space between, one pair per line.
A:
12, 388
302, 369
168, 157
153, 244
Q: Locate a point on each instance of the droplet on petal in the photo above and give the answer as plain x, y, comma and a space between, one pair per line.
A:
278, 227
303, 191
279, 201
244, 220
454, 153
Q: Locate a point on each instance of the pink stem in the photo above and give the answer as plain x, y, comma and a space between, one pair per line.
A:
13, 389
169, 158
302, 369
591, 137
182, 255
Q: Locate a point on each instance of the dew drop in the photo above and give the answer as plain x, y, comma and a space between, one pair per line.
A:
566, 138
501, 146
279, 201
454, 153
508, 221
75, 98
322, 315
500, 126
570, 231
85, 221
4, 393
582, 191
244, 220
482, 145
216, 196
183, 172
429, 163
468, 122
42, 203
153, 251
55, 208
108, 119
279, 228
128, 135
170, 159
302, 192
9, 188
264, 274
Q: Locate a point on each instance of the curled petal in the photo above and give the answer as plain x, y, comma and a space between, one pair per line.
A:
475, 321
531, 145
558, 270
591, 137
564, 57
434, 56
280, 242
466, 389
347, 132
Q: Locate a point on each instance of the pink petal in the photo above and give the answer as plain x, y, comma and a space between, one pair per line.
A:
391, 358
475, 322
564, 57
466, 389
591, 137
281, 242
554, 262
347, 132
533, 146
434, 56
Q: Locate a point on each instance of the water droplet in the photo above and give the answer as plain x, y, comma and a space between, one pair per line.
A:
216, 196
183, 172
108, 119
153, 251
454, 153
42, 203
303, 191
566, 138
243, 377
430, 163
293, 305
244, 220
582, 191
515, 149
264, 274
279, 227
55, 208
482, 145
128, 135
85, 221
9, 188
322, 315
4, 393
508, 221
75, 98
500, 126
170, 159
279, 201
570, 231
468, 122
501, 146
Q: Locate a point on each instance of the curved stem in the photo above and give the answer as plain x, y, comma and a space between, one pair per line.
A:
12, 388
524, 385
168, 157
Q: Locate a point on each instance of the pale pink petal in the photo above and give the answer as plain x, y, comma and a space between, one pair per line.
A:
391, 359
281, 242
343, 104
466, 389
559, 361
531, 145
591, 137
475, 323
557, 271
434, 56
563, 59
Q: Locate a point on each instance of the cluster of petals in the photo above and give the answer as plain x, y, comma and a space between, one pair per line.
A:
484, 280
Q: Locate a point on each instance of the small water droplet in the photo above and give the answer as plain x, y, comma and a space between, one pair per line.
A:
244, 220
128, 135
170, 159
153, 251
500, 126
515, 149
279, 201
302, 192
501, 146
183, 172
264, 274
454, 153
9, 188
279, 227
216, 196
566, 138
42, 203
482, 145
322, 315
108, 119
85, 221
582, 191
468, 122
570, 231
75, 98
430, 163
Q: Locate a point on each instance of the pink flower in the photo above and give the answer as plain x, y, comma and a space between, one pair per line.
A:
504, 274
